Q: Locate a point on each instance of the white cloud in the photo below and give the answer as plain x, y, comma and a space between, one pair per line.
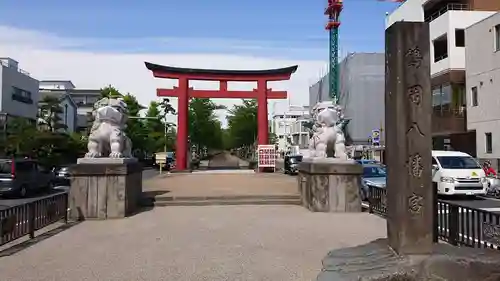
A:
47, 57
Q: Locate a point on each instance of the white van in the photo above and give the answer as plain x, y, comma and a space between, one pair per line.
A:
457, 173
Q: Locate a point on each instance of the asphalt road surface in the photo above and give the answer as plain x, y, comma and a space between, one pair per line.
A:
5, 203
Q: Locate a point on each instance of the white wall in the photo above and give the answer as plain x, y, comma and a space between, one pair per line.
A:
412, 11
15, 77
483, 72
56, 85
68, 116
446, 24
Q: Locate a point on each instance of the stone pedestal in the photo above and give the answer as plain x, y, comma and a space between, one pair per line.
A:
105, 188
330, 185
376, 261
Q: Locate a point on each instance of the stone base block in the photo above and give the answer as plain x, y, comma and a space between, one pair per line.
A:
375, 261
104, 190
330, 185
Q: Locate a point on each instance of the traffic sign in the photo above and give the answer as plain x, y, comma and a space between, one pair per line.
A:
376, 137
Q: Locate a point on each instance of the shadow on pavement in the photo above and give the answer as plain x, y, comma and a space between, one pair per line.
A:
39, 238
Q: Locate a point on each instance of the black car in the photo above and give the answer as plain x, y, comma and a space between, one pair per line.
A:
292, 164
62, 176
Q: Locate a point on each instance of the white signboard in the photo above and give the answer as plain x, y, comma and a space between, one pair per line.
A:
266, 156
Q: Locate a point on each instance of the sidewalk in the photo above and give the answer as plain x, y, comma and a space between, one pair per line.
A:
221, 184
247, 243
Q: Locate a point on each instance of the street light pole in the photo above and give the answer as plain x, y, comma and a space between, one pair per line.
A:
165, 138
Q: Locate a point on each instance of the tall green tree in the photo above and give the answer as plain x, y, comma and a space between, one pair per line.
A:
156, 125
135, 129
50, 111
242, 124
204, 128
110, 92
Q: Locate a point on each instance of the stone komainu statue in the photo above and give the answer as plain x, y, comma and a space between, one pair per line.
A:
107, 136
328, 139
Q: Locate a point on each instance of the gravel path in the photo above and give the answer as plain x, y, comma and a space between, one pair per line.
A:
244, 243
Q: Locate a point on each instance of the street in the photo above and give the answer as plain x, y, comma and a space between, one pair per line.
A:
147, 173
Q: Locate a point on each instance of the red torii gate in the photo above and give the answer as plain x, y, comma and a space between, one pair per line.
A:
183, 92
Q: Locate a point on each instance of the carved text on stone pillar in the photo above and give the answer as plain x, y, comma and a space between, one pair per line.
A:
414, 127
415, 165
414, 57
415, 204
415, 94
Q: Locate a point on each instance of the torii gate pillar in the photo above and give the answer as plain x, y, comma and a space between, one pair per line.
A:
183, 92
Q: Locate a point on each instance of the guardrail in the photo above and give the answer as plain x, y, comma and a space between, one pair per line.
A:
455, 224
24, 219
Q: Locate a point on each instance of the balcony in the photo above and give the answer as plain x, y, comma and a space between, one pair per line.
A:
448, 7
446, 122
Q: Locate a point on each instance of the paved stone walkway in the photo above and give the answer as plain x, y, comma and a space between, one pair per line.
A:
222, 183
246, 243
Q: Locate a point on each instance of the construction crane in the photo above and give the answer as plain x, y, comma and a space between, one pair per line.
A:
333, 12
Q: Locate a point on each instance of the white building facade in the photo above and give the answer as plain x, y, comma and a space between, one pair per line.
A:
19, 91
483, 86
448, 21
83, 99
283, 126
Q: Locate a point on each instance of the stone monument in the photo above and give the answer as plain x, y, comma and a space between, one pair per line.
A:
328, 180
409, 253
107, 183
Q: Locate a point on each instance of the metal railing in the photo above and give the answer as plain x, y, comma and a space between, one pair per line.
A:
22, 71
24, 219
453, 223
448, 7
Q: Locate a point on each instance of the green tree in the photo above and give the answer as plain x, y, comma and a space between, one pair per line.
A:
155, 122
110, 92
135, 129
50, 111
204, 128
242, 124
21, 138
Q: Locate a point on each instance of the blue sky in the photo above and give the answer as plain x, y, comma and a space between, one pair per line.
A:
260, 27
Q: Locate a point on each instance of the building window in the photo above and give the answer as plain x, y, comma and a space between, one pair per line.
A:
66, 114
440, 48
497, 37
475, 101
489, 143
459, 37
21, 95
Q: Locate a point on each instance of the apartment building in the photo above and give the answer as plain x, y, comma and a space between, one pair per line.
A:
362, 86
483, 86
18, 91
448, 20
84, 99
283, 126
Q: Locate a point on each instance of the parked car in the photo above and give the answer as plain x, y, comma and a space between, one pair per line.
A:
292, 164
62, 176
18, 177
367, 161
373, 175
457, 173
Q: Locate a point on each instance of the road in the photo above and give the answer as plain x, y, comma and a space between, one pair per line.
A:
5, 203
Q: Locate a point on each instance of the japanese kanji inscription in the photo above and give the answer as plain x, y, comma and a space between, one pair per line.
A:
415, 204
414, 57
